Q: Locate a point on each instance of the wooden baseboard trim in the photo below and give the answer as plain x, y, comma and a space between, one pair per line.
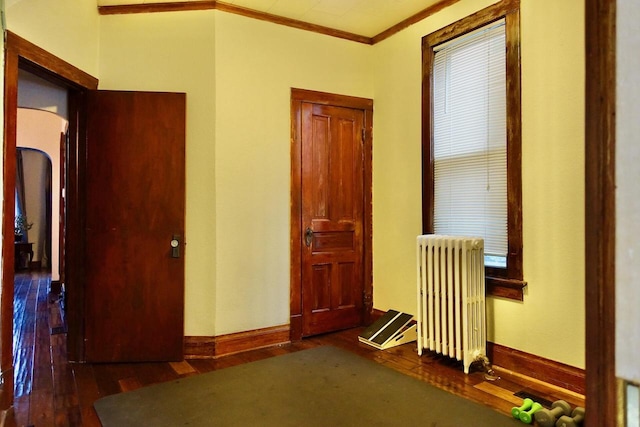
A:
199, 347
549, 371
530, 365
546, 370
251, 340
202, 347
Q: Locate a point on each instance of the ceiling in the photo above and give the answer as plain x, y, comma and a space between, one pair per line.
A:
362, 17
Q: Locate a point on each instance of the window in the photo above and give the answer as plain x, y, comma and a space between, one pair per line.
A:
471, 138
470, 141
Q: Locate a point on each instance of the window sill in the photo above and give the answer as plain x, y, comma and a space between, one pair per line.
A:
505, 288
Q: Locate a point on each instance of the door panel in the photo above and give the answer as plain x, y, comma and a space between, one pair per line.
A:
135, 205
332, 194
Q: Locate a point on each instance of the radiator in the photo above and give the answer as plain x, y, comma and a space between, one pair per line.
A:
451, 297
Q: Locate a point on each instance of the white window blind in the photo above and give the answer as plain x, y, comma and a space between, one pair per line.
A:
470, 139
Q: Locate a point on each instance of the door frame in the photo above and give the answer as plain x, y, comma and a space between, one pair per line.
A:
21, 54
600, 217
299, 96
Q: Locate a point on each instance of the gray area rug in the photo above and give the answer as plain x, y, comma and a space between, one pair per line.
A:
323, 386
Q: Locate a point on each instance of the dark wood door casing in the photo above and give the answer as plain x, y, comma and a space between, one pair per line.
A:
301, 100
602, 394
21, 54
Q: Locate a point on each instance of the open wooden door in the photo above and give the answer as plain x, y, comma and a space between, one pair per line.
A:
135, 207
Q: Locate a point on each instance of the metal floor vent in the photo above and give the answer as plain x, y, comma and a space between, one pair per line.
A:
524, 394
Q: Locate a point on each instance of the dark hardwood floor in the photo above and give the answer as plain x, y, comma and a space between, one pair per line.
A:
50, 391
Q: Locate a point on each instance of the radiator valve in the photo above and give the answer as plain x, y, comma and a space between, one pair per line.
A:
489, 373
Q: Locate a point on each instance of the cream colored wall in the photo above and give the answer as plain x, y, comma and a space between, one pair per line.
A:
257, 64
237, 137
237, 74
553, 99
65, 28
175, 52
551, 321
238, 81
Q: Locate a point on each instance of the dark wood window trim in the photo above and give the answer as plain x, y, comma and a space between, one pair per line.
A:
509, 282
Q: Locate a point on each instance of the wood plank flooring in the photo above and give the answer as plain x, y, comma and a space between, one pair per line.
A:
50, 391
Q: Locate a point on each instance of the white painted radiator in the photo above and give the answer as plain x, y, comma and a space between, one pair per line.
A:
451, 297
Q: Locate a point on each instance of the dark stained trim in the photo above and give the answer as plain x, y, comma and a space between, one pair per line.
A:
289, 22
22, 54
125, 9
250, 13
8, 213
230, 8
213, 347
425, 13
530, 365
239, 342
600, 222
36, 60
199, 347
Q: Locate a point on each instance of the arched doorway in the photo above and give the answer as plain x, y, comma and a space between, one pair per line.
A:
40, 142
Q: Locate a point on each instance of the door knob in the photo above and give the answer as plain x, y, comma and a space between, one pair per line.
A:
175, 246
308, 236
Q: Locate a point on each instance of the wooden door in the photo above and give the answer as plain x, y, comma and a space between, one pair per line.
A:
332, 217
135, 206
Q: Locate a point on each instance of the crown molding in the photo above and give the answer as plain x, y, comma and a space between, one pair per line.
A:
280, 20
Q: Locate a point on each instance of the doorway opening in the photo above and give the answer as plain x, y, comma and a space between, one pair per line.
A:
41, 136
33, 225
21, 59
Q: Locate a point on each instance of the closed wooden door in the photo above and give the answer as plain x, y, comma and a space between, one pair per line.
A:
332, 217
135, 207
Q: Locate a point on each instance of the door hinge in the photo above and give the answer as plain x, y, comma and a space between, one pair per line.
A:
363, 135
